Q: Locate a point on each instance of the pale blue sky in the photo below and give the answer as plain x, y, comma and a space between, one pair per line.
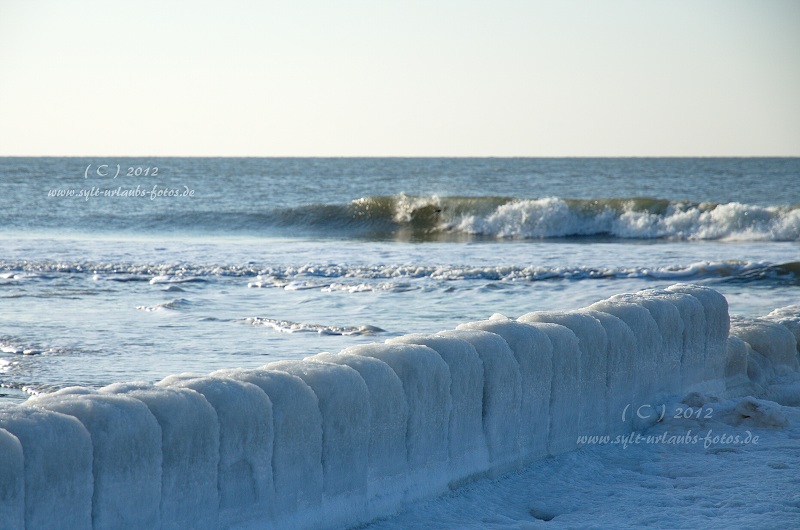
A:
392, 78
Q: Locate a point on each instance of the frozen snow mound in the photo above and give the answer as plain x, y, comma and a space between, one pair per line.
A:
773, 347
339, 439
789, 317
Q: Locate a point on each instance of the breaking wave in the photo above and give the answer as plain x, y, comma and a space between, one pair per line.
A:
434, 217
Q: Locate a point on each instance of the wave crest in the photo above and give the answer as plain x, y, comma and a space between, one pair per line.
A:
553, 217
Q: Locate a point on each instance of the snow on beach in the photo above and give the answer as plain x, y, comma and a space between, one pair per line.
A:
650, 409
737, 466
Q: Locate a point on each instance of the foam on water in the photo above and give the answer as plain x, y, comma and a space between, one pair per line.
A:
300, 327
431, 217
335, 277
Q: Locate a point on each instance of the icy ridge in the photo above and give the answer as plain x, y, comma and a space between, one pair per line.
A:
335, 440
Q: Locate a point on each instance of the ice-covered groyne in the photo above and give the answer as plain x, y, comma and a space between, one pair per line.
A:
338, 439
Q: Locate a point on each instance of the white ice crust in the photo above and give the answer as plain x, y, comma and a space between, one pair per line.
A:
339, 439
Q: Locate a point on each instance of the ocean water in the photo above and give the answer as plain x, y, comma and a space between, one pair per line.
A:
122, 269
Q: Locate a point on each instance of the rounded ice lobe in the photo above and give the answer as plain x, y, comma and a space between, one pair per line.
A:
126, 464
12, 481
387, 460
468, 453
297, 442
344, 404
244, 413
58, 466
190, 448
593, 344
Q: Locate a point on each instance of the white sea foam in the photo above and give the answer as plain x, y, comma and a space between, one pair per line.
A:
287, 326
555, 217
338, 277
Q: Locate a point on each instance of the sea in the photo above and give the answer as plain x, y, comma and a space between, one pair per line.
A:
131, 269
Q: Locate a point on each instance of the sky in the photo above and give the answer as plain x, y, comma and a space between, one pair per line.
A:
400, 78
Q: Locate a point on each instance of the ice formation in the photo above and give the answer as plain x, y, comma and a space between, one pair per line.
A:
339, 439
774, 343
717, 326
565, 389
244, 466
387, 462
533, 351
126, 457
12, 481
58, 466
593, 370
344, 404
502, 394
190, 448
468, 453
297, 445
426, 383
644, 375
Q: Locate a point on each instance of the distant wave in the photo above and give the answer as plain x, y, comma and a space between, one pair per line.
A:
361, 278
552, 217
450, 218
